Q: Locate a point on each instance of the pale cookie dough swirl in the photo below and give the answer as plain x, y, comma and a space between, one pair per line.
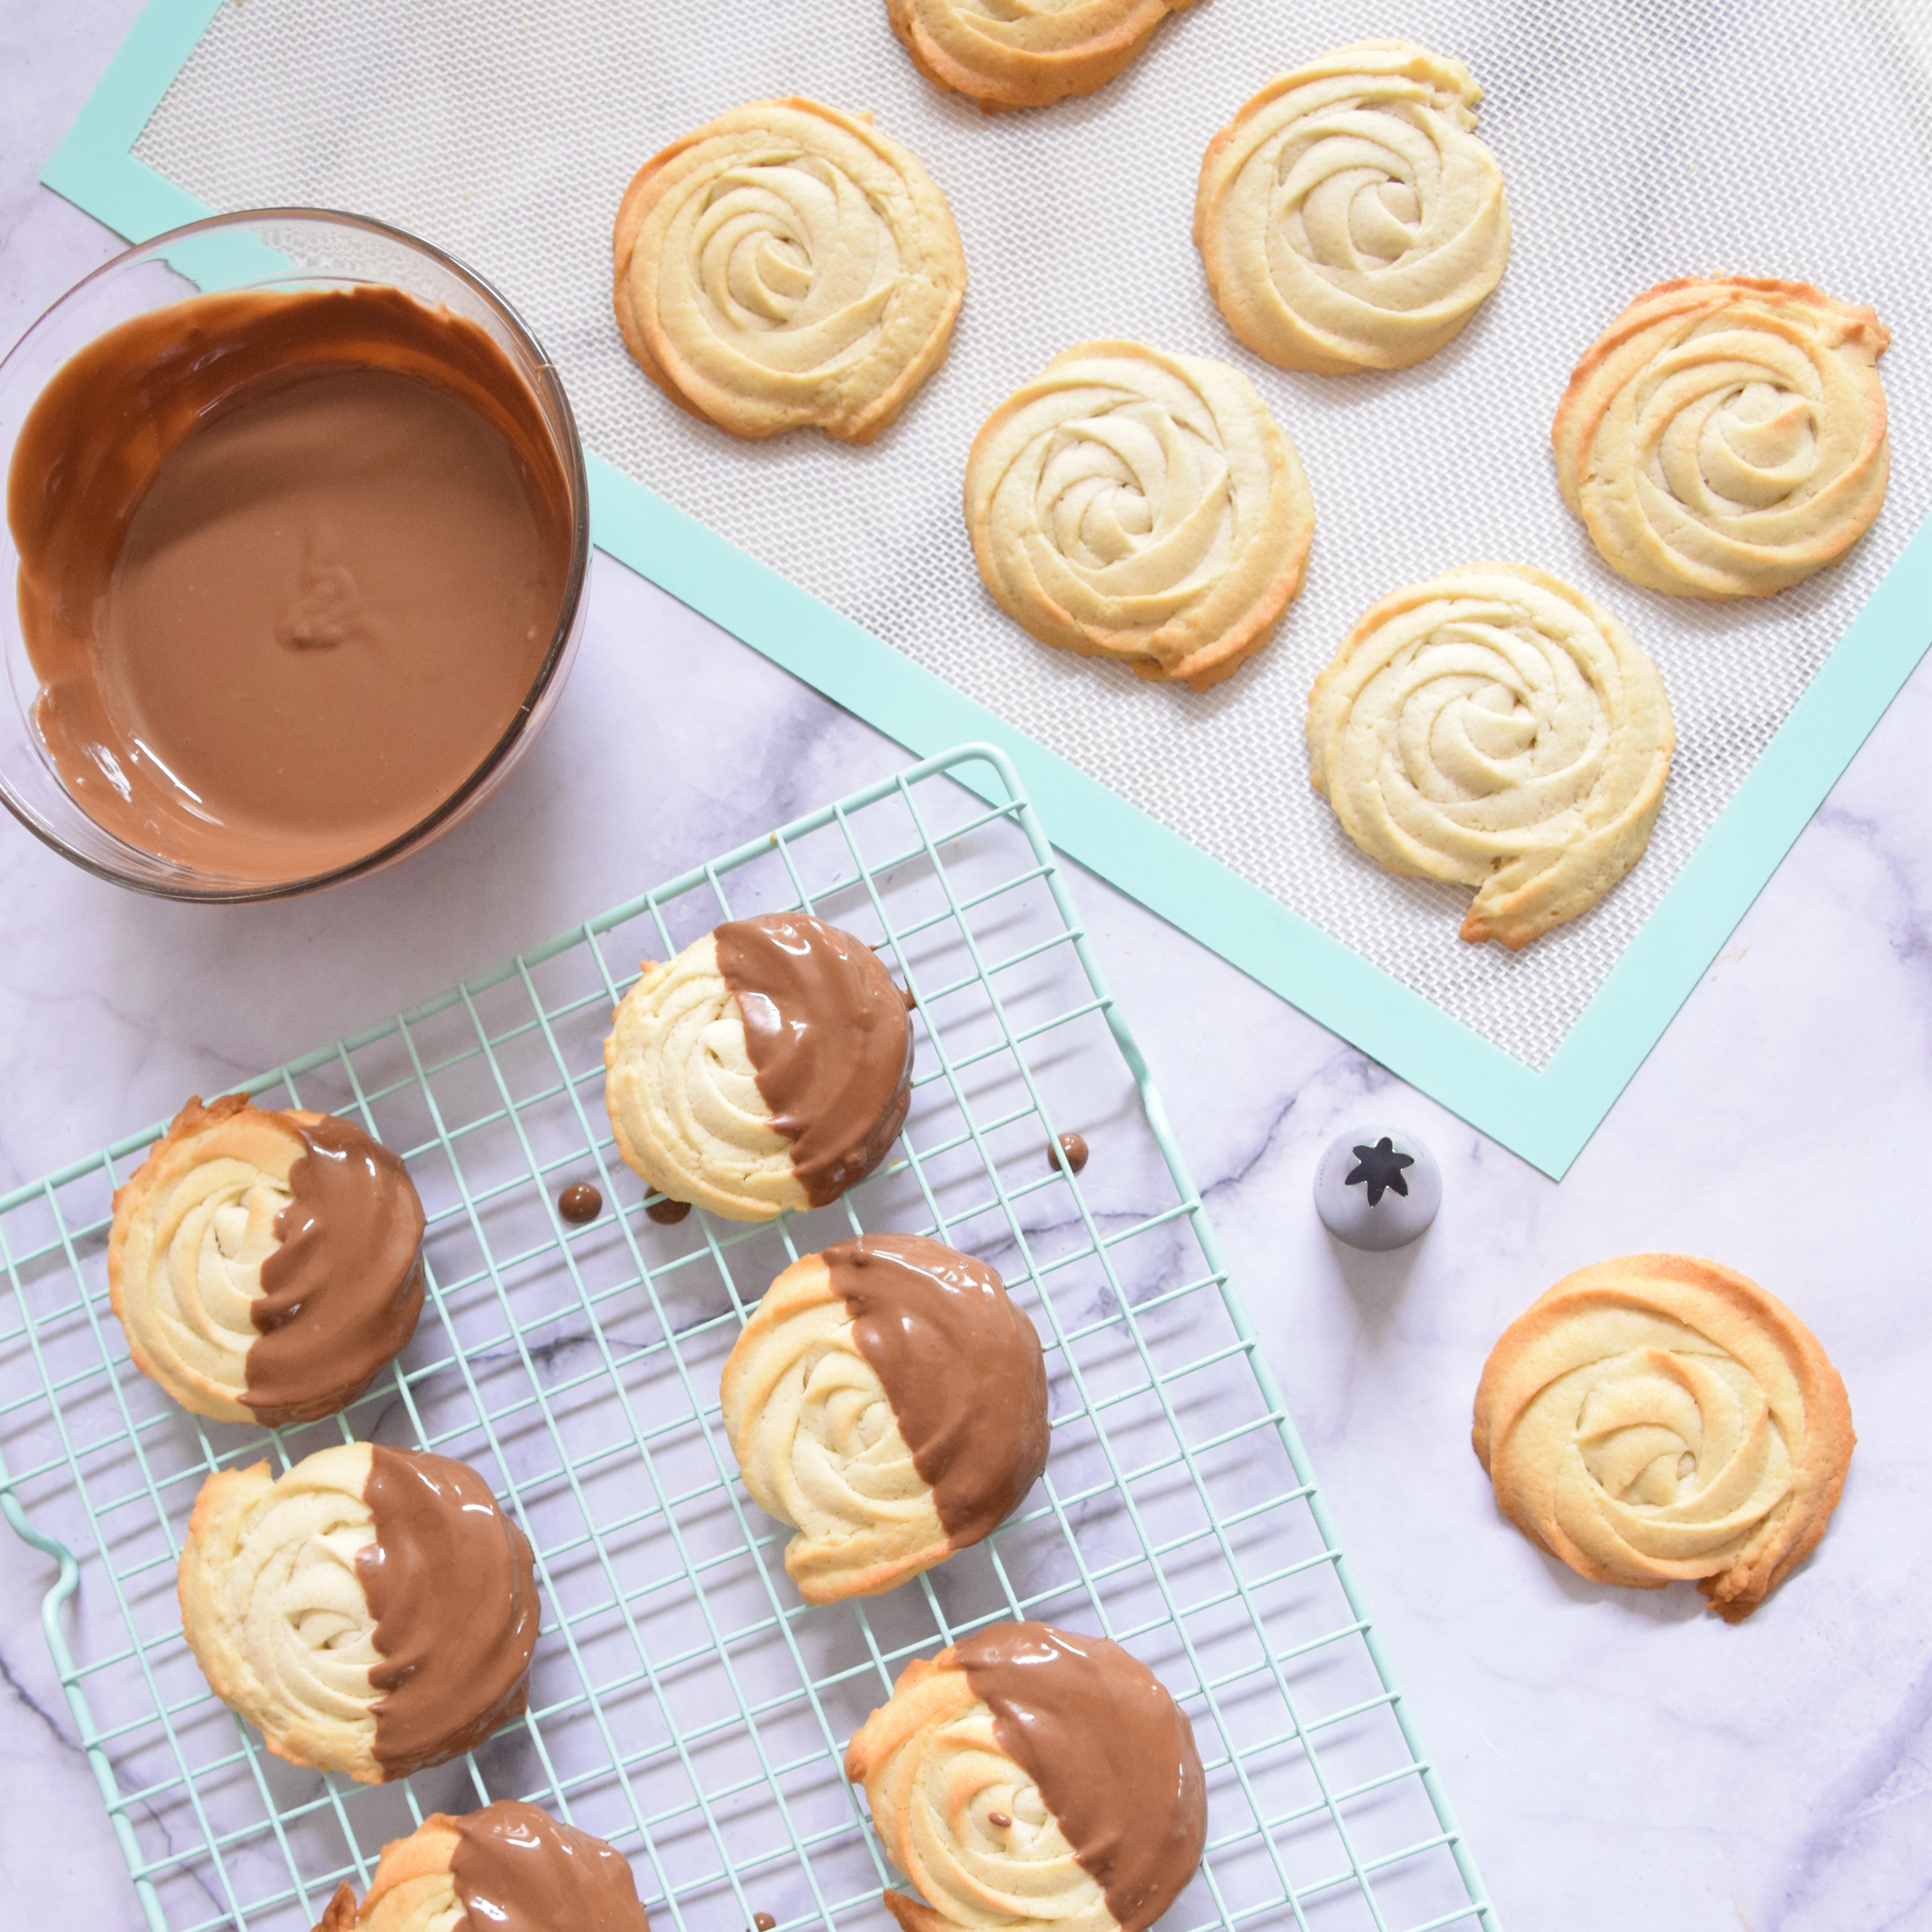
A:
1725, 437
1494, 728
1141, 506
1659, 1417
787, 266
1024, 53
1348, 217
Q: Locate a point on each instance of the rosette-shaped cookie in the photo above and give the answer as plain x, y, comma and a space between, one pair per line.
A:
1030, 1776
1494, 728
888, 1400
1659, 1417
768, 1066
1348, 216
265, 1266
1726, 438
1133, 504
509, 1868
371, 1611
787, 265
1024, 53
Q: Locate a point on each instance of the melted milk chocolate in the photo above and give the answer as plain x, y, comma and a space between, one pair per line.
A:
517, 1869
451, 1583
831, 1049
1111, 1752
290, 564
961, 1365
341, 1295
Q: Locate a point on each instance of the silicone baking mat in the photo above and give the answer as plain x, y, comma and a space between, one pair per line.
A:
685, 1704
1636, 146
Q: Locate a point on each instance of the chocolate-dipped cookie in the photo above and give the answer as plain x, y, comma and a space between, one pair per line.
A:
888, 1400
767, 1067
265, 1266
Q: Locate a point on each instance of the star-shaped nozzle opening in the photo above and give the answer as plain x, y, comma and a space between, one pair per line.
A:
1381, 1167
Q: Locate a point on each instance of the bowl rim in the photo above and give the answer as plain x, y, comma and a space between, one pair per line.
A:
576, 477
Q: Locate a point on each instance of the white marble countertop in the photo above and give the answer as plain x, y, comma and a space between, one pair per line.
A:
1616, 1759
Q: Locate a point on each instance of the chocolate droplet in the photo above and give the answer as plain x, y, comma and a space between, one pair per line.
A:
1070, 1156
764, 1921
998, 1819
668, 1214
580, 1202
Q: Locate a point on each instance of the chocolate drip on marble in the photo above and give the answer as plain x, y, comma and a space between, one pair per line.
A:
1112, 1753
517, 1869
451, 1583
341, 1293
961, 1365
826, 1028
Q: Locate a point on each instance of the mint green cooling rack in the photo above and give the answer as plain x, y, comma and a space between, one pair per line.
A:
684, 1703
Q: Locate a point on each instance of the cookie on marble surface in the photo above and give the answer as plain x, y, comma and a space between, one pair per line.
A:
509, 1868
1726, 438
266, 1265
1348, 217
1495, 727
888, 1400
371, 1611
1133, 504
1028, 1775
1029, 55
788, 266
768, 1067
1660, 1418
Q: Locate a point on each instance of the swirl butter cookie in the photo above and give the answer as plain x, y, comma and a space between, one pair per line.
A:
767, 1067
1348, 217
1659, 1417
371, 1611
1029, 55
889, 1401
1726, 438
1494, 728
265, 1266
509, 1868
1031, 1776
1141, 506
787, 266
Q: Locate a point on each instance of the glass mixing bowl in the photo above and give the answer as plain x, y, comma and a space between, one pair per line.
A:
282, 248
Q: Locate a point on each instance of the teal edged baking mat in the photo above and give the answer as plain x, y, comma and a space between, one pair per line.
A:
685, 1704
1544, 1103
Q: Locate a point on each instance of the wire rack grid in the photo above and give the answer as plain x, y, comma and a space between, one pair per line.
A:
684, 1703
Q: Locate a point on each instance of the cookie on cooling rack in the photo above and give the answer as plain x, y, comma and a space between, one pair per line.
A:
265, 1266
1725, 437
1348, 217
788, 266
1131, 504
1659, 1417
1496, 728
888, 1400
1030, 1775
767, 1067
509, 1867
371, 1611
1024, 56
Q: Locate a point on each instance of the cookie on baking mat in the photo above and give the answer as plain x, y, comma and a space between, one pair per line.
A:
1494, 727
1029, 1775
371, 1611
788, 266
768, 1066
509, 1868
1725, 437
265, 1266
1659, 1417
1132, 504
1348, 217
1028, 55
888, 1400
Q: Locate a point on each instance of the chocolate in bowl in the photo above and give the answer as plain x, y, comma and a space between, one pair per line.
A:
299, 564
